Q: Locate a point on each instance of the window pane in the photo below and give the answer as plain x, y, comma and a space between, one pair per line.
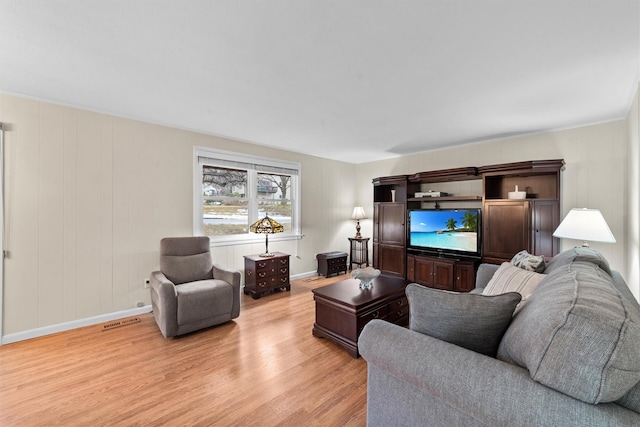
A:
224, 201
274, 198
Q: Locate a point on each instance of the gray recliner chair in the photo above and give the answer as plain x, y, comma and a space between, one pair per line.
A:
190, 292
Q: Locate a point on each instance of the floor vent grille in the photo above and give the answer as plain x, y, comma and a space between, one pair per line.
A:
120, 322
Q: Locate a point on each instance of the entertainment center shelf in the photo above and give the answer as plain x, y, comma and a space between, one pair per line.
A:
507, 225
445, 199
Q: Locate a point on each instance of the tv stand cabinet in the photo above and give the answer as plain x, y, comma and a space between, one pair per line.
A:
441, 273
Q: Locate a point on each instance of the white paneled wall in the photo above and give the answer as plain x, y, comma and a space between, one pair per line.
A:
89, 196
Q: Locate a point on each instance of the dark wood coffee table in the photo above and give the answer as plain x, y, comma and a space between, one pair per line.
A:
342, 309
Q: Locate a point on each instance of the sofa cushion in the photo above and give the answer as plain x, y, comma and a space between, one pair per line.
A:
472, 321
509, 278
526, 261
581, 254
577, 335
631, 399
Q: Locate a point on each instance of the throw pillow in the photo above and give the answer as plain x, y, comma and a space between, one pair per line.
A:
526, 261
577, 334
509, 278
472, 321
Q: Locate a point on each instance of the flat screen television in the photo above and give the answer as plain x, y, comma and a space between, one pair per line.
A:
445, 231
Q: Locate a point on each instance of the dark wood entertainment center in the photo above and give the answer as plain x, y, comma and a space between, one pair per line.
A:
508, 225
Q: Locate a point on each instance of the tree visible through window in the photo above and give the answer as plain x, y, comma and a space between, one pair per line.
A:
234, 194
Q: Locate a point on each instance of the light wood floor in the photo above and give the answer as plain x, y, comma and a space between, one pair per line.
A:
264, 368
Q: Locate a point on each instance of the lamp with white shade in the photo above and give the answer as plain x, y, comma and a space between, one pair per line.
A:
586, 225
358, 214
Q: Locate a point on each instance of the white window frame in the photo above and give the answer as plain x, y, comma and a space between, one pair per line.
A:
257, 161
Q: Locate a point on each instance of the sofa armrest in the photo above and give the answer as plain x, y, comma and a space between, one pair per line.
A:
164, 303
485, 273
455, 385
233, 278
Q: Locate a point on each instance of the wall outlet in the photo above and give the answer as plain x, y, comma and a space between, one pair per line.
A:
146, 283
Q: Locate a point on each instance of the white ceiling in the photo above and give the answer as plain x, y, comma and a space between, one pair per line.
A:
353, 80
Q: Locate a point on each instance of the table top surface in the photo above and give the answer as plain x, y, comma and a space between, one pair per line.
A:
348, 291
259, 258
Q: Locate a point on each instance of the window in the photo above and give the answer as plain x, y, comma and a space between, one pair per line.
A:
232, 191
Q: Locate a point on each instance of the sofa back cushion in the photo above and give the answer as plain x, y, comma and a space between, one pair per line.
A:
580, 254
577, 335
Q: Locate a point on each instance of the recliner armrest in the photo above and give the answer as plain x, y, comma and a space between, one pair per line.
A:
233, 278
164, 302
228, 275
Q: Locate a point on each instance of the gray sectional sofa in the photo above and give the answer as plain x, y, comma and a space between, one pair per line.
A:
569, 356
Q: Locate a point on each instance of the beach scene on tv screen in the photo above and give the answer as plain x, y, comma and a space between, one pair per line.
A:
452, 230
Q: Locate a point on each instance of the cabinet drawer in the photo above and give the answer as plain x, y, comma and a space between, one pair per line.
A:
337, 261
283, 271
337, 268
261, 265
379, 313
262, 285
398, 309
283, 262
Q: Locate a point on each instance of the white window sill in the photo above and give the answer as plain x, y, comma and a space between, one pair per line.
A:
257, 238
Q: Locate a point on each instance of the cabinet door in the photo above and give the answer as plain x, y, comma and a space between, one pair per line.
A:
391, 260
545, 219
376, 224
424, 271
443, 274
391, 220
464, 277
506, 225
411, 267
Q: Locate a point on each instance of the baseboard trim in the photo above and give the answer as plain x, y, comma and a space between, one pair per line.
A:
74, 324
303, 275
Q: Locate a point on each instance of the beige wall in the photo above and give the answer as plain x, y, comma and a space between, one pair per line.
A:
88, 196
595, 174
633, 199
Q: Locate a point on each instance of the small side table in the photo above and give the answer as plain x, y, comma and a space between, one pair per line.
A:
359, 253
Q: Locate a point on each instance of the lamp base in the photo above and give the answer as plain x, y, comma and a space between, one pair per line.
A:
267, 254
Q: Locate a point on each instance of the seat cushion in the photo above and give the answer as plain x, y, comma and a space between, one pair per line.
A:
577, 334
203, 299
472, 321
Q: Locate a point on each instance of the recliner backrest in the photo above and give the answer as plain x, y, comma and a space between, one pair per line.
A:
186, 259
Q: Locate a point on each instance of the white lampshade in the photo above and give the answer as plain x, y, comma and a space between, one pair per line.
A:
586, 225
358, 213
